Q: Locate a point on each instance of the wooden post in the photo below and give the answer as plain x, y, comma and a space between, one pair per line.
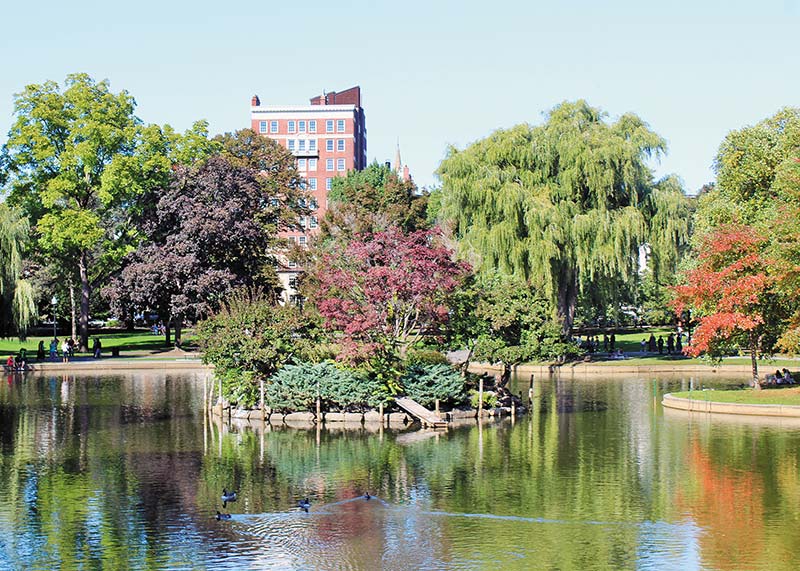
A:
380, 411
219, 387
437, 407
530, 392
261, 389
480, 397
319, 410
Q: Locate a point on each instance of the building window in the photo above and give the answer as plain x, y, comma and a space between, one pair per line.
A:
312, 164
340, 126
339, 164
329, 126
290, 240
291, 127
273, 126
302, 144
293, 282
312, 126
312, 184
328, 183
292, 264
302, 240
329, 165
340, 145
312, 145
329, 145
262, 127
312, 222
290, 143
313, 204
301, 126
302, 222
301, 164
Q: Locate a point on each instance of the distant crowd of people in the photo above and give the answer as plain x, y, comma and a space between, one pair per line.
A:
65, 350
673, 344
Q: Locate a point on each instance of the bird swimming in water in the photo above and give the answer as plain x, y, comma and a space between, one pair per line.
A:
221, 516
227, 497
304, 505
367, 496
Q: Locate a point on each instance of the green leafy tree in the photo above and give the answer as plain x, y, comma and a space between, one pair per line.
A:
373, 200
515, 326
428, 383
79, 161
250, 339
17, 306
566, 204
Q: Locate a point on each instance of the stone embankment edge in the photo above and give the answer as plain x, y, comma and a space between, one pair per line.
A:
696, 405
111, 364
605, 369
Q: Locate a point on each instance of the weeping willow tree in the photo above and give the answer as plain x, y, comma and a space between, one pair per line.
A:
566, 205
17, 306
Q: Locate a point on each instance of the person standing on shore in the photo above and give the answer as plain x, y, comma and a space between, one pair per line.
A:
54, 348
96, 347
40, 351
65, 352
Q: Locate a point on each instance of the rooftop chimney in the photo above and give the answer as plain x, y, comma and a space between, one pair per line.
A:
255, 101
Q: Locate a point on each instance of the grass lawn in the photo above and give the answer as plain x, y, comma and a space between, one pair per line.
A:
138, 340
784, 395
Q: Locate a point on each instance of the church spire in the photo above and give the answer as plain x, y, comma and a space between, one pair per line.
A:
398, 164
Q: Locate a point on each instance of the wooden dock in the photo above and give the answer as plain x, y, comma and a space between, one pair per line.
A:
427, 417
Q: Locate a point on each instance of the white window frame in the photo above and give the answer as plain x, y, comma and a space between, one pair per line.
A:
340, 145
312, 164
340, 165
291, 126
329, 126
273, 127
312, 184
328, 184
301, 240
312, 222
312, 144
290, 144
329, 165
301, 145
329, 145
340, 127
301, 164
312, 126
301, 126
262, 127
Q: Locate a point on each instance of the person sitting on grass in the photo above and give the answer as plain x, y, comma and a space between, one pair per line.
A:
787, 377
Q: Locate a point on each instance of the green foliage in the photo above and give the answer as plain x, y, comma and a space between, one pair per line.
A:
250, 339
425, 357
566, 204
516, 325
427, 383
17, 308
489, 399
295, 388
372, 200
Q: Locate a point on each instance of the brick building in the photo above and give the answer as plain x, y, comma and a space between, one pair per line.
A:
328, 137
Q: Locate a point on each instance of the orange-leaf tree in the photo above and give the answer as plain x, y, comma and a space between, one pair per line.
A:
732, 294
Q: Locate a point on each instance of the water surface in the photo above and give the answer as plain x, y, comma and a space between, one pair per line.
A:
125, 471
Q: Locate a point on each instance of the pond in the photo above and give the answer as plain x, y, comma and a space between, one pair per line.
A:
125, 471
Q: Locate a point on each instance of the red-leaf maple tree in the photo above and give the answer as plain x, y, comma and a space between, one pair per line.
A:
730, 292
384, 290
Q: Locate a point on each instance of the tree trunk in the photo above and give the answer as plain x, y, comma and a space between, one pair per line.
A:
178, 328
754, 360
567, 298
168, 332
86, 287
73, 312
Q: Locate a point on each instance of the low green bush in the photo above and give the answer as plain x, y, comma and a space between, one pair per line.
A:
427, 383
295, 388
426, 357
489, 399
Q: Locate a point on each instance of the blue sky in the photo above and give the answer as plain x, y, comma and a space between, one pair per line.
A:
433, 73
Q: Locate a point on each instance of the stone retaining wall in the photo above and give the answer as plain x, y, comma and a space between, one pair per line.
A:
696, 405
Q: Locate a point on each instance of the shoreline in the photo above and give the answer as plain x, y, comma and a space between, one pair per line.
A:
716, 407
